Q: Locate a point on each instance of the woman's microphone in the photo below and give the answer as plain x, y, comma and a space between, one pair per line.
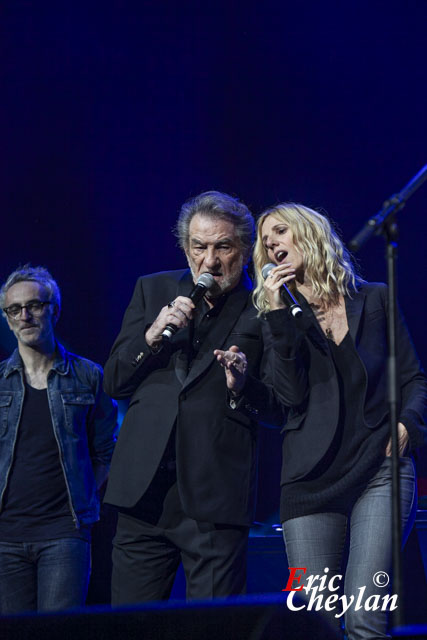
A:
285, 294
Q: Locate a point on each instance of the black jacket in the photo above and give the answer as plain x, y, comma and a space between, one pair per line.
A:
305, 379
215, 445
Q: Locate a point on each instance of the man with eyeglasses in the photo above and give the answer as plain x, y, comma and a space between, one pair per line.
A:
57, 433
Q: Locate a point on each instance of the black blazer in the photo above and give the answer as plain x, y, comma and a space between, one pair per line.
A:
305, 378
215, 445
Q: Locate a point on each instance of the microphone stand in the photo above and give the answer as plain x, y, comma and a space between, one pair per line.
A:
384, 223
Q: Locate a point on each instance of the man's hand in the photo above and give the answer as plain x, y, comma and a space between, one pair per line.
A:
403, 439
178, 312
235, 366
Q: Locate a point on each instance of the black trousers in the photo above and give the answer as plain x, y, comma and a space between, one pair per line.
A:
154, 537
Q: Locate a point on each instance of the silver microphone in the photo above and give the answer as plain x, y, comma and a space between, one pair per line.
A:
204, 282
285, 294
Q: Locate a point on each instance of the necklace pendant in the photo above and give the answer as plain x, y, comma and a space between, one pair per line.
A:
329, 334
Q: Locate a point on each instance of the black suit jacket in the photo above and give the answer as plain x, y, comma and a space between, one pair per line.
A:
215, 445
305, 378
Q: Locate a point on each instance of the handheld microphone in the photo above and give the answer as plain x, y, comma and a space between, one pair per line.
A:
285, 294
204, 282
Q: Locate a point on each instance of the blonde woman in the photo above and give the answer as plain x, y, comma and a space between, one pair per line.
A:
329, 369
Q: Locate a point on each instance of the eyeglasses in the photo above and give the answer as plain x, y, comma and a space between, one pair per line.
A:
34, 308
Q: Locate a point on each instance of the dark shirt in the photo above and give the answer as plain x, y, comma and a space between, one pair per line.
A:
36, 503
202, 323
354, 456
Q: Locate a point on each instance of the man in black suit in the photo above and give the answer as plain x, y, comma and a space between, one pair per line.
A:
183, 473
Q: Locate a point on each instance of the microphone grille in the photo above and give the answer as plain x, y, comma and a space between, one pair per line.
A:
206, 280
266, 269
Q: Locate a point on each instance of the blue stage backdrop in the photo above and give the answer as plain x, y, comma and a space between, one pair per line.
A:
114, 113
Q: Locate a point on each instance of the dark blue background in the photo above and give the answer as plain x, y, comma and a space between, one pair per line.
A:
113, 113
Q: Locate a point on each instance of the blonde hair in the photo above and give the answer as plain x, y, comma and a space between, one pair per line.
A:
327, 263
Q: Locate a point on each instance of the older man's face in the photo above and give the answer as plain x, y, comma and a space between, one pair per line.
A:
214, 247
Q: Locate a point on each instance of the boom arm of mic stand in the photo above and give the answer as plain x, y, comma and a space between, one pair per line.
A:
375, 225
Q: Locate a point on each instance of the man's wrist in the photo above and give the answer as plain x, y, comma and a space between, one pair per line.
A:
155, 343
234, 398
156, 347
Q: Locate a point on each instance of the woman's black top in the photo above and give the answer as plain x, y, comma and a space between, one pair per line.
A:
354, 456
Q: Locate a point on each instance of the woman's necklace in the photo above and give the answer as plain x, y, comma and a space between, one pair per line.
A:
329, 334
333, 321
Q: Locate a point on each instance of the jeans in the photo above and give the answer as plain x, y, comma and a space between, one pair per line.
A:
318, 541
50, 575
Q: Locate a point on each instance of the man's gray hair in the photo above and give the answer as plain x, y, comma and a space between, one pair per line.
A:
32, 274
216, 205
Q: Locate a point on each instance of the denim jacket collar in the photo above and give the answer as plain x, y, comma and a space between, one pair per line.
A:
60, 365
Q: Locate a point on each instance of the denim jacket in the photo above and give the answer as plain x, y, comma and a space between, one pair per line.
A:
84, 422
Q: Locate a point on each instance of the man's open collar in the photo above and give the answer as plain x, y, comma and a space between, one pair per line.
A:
61, 364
